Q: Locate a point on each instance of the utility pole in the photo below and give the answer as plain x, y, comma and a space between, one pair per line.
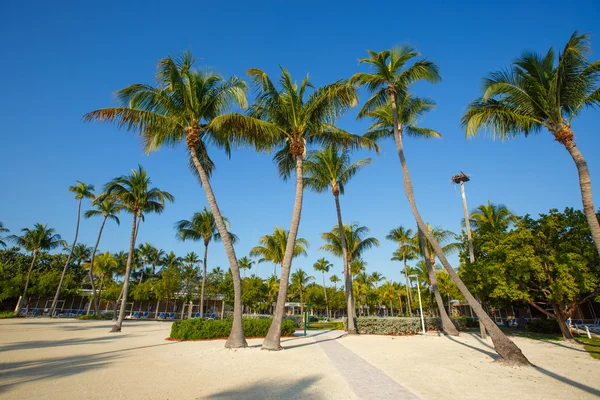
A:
460, 179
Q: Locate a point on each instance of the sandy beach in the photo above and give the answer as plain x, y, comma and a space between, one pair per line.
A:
58, 359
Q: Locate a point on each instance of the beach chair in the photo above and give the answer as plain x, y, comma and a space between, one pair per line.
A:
144, 315
514, 322
136, 315
79, 312
33, 312
161, 316
197, 315
24, 311
212, 316
171, 316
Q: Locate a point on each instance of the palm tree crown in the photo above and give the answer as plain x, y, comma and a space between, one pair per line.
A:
491, 217
202, 227
272, 247
355, 240
40, 238
109, 208
2, 230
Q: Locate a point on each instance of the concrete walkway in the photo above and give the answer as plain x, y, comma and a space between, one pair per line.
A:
366, 380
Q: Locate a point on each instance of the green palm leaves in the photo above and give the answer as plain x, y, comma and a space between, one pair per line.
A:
356, 241
40, 238
491, 217
272, 247
330, 168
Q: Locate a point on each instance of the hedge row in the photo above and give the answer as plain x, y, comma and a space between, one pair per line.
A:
297, 319
197, 328
401, 325
543, 326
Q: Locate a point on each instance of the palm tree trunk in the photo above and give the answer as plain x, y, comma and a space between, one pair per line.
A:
351, 325
408, 294
236, 338
585, 183
272, 340
391, 309
447, 326
95, 295
203, 282
505, 347
23, 298
116, 308
325, 293
62, 276
119, 323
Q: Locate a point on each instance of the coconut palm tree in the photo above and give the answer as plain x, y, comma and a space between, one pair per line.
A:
272, 289
335, 280
406, 251
331, 169
299, 281
105, 265
389, 80
109, 208
322, 265
358, 266
190, 105
355, 239
543, 92
376, 277
81, 253
389, 293
36, 240
272, 248
2, 230
491, 218
190, 275
144, 253
245, 263
82, 191
203, 227
136, 197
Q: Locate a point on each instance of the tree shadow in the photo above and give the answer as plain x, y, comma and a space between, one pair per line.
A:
38, 344
286, 390
568, 381
573, 348
480, 340
494, 356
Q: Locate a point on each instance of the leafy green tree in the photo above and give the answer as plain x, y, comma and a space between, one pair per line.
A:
253, 293
389, 80
82, 191
36, 240
136, 197
543, 92
192, 105
407, 250
272, 248
322, 266
169, 284
272, 290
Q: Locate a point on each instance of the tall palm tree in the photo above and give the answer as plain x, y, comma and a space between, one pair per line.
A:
322, 265
543, 91
190, 275
299, 281
389, 80
272, 290
245, 263
355, 239
331, 169
2, 230
491, 218
109, 208
136, 197
376, 277
190, 105
82, 191
40, 238
406, 251
272, 248
389, 293
105, 265
203, 227
145, 252
335, 280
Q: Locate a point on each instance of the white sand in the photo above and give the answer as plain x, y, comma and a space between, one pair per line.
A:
67, 359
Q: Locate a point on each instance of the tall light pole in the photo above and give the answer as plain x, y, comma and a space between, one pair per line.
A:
420, 304
460, 179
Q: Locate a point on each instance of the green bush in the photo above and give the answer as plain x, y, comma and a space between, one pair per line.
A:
197, 328
471, 322
7, 314
543, 326
401, 325
460, 323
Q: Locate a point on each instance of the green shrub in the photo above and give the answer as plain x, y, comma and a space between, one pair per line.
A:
84, 317
197, 328
401, 325
543, 326
471, 322
7, 314
460, 323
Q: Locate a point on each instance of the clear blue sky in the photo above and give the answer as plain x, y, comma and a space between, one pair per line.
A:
61, 60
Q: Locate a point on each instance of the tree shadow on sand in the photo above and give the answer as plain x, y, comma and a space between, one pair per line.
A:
269, 390
38, 344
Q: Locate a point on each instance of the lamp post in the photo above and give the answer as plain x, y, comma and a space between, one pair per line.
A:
420, 304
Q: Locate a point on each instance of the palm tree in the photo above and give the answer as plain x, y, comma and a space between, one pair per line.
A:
81, 253
355, 239
272, 248
491, 217
171, 260
109, 208
543, 91
389, 293
82, 191
106, 265
2, 230
190, 275
145, 252
299, 281
376, 277
40, 238
272, 290
330, 168
190, 104
446, 284
203, 227
358, 266
322, 265
335, 280
245, 263
389, 81
136, 197
406, 251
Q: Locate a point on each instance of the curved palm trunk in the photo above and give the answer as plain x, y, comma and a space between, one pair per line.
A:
351, 325
325, 293
116, 308
585, 183
408, 294
119, 323
203, 281
95, 295
447, 326
236, 338
272, 340
505, 347
23, 299
64, 271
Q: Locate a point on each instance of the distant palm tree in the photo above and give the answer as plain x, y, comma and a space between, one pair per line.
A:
171, 260
322, 265
2, 230
272, 290
109, 208
82, 191
272, 248
407, 250
543, 91
491, 218
145, 252
245, 263
136, 197
81, 253
355, 239
106, 265
331, 169
299, 281
358, 266
335, 280
203, 227
376, 277
389, 293
189, 105
36, 240
389, 80
190, 275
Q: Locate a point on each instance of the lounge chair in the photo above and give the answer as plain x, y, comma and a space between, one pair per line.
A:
197, 315
171, 316
92, 312
136, 315
514, 322
79, 312
212, 316
33, 312
144, 315
161, 316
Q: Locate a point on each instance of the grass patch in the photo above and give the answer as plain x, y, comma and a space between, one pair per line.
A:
592, 345
327, 325
532, 335
7, 314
